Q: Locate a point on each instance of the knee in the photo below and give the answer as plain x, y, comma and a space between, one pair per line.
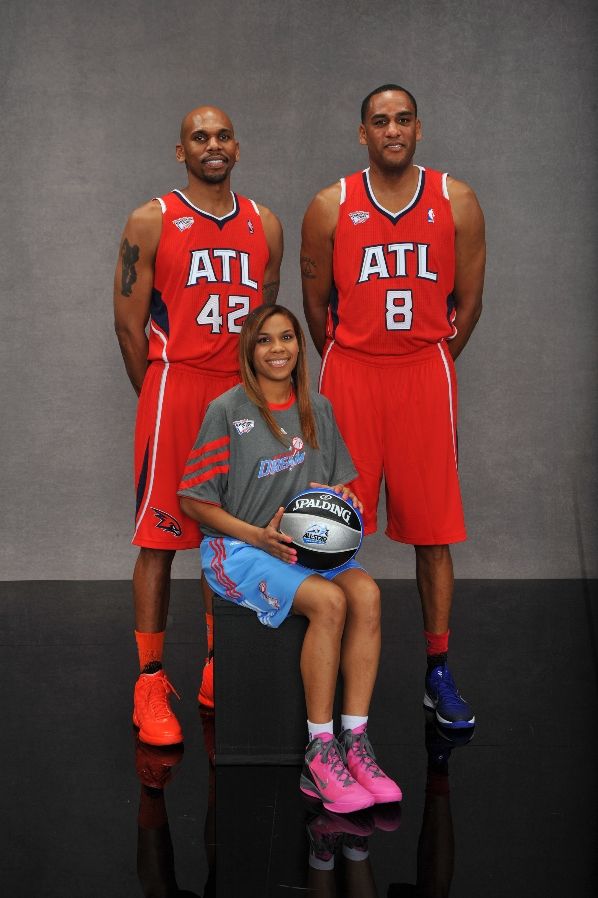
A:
332, 606
158, 560
432, 555
367, 606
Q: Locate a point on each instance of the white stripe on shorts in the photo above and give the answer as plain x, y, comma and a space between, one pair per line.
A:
324, 365
157, 425
450, 395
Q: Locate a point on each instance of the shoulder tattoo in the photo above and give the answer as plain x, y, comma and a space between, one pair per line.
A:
307, 267
129, 255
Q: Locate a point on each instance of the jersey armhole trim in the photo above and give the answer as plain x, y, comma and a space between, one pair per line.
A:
343, 184
255, 206
444, 186
162, 203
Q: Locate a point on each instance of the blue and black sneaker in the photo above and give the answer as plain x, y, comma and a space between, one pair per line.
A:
443, 697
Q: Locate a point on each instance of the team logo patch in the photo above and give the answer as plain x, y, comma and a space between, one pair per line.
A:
283, 462
271, 600
244, 425
250, 226
431, 216
316, 535
167, 522
359, 217
183, 223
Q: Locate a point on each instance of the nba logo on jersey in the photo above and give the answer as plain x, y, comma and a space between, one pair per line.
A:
250, 226
183, 223
359, 217
431, 216
244, 425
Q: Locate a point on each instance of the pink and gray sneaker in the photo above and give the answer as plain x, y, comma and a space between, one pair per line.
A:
326, 777
363, 767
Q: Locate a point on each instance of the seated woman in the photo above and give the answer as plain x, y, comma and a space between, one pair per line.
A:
238, 496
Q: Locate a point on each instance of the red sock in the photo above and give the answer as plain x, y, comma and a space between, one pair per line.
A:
210, 630
150, 647
437, 643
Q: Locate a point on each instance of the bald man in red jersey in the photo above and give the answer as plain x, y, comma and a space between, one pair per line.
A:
192, 265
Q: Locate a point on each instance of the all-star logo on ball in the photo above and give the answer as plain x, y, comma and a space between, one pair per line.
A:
326, 529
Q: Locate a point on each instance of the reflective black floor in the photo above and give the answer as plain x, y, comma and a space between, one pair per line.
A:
87, 811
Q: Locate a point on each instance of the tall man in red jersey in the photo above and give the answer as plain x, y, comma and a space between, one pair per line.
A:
193, 264
392, 261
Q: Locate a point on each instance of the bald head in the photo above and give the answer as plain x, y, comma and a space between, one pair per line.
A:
203, 116
207, 145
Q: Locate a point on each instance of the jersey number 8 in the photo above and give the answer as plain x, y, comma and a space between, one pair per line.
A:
211, 317
399, 310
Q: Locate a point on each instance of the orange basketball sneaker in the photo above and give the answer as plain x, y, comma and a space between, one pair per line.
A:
152, 713
205, 695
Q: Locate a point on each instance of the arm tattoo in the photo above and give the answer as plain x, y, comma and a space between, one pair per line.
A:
129, 255
270, 292
307, 267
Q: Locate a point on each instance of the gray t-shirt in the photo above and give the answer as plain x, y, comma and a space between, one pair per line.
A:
237, 463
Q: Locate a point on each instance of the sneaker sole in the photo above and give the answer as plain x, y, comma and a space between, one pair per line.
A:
160, 741
451, 724
361, 825
347, 807
389, 798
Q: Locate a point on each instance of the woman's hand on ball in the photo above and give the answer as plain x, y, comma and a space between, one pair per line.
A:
271, 540
342, 491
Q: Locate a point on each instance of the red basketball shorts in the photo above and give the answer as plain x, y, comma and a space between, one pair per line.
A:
171, 408
398, 417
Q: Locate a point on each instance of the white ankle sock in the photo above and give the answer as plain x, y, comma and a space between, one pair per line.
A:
351, 721
317, 729
317, 864
354, 854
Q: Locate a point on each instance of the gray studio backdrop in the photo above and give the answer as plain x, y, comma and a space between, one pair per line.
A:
92, 98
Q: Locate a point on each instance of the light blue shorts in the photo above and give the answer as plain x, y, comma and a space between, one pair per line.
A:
250, 577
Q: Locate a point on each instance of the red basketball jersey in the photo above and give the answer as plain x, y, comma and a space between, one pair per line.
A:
209, 274
393, 272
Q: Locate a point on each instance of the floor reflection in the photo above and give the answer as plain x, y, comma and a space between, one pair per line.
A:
155, 768
270, 839
436, 844
521, 810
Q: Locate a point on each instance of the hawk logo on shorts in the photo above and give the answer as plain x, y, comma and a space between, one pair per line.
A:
431, 216
250, 226
271, 600
183, 223
167, 522
316, 535
359, 217
244, 425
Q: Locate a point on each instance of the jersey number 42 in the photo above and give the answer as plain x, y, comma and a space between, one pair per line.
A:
210, 316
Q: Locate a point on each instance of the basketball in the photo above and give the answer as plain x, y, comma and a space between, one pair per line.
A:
326, 530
